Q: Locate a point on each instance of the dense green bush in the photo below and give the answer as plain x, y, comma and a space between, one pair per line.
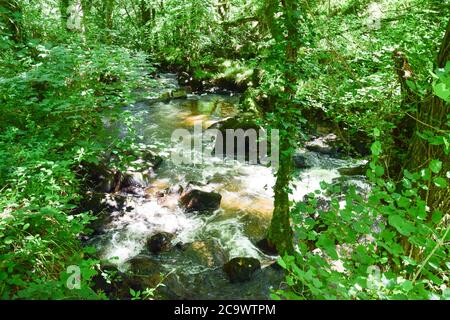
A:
384, 245
52, 110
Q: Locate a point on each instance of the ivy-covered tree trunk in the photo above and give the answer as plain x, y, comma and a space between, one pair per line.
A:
108, 9
286, 112
431, 116
280, 235
12, 17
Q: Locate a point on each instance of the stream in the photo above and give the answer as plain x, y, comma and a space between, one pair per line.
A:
193, 267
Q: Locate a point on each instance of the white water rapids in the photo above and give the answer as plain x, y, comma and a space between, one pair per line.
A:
247, 195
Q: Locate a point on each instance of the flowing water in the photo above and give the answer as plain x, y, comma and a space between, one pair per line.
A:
211, 240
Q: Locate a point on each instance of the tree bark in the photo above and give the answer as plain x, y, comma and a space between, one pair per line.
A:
108, 9
146, 12
280, 233
431, 115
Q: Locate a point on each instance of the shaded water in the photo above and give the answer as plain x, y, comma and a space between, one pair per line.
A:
242, 220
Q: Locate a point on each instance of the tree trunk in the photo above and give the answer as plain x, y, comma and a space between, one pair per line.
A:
280, 233
146, 12
75, 19
108, 9
432, 116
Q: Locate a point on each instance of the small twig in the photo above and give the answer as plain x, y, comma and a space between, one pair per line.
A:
425, 124
438, 245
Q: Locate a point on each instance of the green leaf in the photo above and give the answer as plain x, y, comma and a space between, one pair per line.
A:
282, 263
440, 182
407, 285
436, 166
376, 132
402, 225
425, 174
330, 247
379, 171
403, 202
442, 91
376, 148
437, 216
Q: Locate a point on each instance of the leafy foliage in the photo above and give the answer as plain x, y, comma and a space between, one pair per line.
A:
51, 109
298, 61
387, 245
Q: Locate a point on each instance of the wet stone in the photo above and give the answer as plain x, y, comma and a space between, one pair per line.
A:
241, 269
300, 162
200, 201
144, 264
160, 242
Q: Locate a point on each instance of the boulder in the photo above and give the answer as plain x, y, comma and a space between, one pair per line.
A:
103, 178
150, 158
235, 123
204, 252
105, 207
276, 266
250, 148
144, 265
300, 161
160, 242
113, 283
164, 96
97, 202
135, 179
200, 201
99, 176
241, 269
135, 191
144, 272
354, 171
323, 144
